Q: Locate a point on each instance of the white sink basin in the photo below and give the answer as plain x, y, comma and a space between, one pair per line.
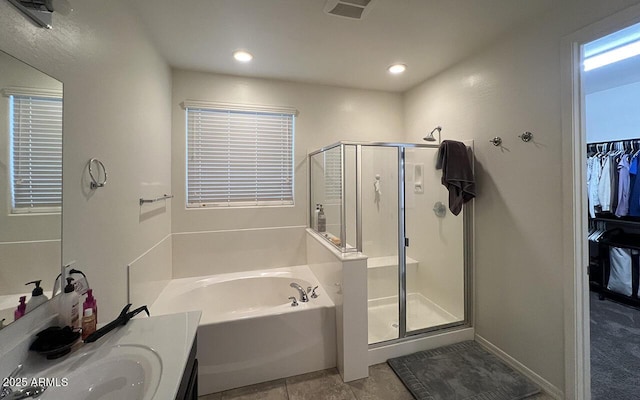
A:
122, 372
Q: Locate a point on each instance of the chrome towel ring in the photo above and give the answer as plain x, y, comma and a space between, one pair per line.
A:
95, 183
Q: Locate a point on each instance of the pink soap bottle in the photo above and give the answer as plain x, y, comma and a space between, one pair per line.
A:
22, 307
91, 302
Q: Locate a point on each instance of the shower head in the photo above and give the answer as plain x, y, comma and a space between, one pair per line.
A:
430, 138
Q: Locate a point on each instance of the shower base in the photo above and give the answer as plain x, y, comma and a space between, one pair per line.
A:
421, 313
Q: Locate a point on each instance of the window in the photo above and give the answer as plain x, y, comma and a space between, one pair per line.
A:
239, 155
35, 133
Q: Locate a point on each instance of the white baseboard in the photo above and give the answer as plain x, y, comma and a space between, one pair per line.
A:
544, 384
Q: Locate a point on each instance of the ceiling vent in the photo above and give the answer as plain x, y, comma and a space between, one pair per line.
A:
352, 9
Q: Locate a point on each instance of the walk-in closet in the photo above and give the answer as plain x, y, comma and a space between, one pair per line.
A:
611, 93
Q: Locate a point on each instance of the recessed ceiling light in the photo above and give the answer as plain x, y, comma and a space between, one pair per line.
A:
242, 56
397, 68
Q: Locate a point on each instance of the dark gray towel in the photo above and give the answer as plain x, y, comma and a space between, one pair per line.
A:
457, 174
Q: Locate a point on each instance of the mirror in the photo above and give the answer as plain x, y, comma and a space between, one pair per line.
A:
30, 183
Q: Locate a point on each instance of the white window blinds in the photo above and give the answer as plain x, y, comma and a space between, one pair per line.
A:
239, 157
36, 153
333, 175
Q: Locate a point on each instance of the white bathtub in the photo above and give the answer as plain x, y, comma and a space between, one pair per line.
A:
249, 332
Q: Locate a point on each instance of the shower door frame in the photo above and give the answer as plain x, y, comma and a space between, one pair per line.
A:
467, 215
403, 333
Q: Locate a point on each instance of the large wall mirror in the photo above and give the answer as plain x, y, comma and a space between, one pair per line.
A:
30, 183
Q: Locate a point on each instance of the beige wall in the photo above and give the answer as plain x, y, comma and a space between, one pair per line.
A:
327, 114
116, 108
506, 89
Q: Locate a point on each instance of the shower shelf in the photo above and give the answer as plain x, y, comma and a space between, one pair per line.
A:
388, 261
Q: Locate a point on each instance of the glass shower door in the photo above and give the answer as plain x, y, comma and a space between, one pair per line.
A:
379, 181
435, 279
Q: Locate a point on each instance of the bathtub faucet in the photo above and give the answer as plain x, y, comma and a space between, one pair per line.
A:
303, 294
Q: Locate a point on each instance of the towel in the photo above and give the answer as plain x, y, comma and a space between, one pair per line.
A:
457, 174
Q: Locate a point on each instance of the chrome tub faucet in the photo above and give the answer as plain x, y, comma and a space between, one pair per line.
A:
303, 293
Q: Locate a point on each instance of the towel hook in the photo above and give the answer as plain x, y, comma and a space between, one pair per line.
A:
496, 141
526, 137
94, 181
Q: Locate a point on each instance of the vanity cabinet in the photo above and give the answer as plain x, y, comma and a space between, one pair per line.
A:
189, 384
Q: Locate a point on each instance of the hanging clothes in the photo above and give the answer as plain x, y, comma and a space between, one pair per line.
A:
622, 207
604, 186
594, 169
613, 185
613, 164
634, 196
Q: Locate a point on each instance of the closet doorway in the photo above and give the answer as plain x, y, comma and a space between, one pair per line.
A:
610, 95
585, 119
601, 145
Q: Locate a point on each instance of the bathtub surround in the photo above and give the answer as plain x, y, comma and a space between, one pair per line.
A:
150, 273
235, 250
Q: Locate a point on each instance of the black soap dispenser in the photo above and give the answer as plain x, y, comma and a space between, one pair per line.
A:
70, 306
37, 296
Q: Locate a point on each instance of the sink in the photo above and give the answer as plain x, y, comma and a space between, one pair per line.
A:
122, 372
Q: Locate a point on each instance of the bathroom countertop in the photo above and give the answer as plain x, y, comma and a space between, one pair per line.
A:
170, 336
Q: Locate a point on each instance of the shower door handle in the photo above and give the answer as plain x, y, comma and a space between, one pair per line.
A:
406, 242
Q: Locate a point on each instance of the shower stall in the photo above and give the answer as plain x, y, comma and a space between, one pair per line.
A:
386, 201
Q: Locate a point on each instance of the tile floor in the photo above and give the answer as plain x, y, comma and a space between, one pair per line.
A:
382, 384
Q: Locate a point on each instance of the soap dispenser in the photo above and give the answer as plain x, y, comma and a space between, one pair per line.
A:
322, 220
91, 302
37, 296
70, 306
21, 310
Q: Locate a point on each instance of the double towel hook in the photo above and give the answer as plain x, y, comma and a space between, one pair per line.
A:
525, 137
95, 182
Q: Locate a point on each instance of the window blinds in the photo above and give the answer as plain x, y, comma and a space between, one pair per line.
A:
239, 158
36, 153
333, 176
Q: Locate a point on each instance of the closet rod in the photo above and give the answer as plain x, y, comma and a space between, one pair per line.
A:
615, 141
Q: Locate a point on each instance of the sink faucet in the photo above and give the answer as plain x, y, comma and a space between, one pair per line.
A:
6, 389
303, 294
123, 318
25, 393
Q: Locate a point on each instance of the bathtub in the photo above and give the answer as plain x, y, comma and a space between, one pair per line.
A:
249, 332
